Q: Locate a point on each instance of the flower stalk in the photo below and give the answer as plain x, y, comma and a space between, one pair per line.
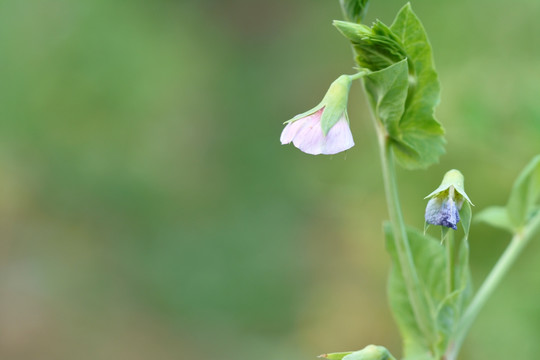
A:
449, 243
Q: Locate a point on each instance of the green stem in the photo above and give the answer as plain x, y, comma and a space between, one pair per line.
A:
518, 242
358, 75
450, 251
406, 261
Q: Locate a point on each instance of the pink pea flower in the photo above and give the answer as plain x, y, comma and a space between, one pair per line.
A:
325, 128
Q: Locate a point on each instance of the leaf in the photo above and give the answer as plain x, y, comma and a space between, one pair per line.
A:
524, 194
417, 138
496, 216
354, 10
387, 92
419, 129
430, 262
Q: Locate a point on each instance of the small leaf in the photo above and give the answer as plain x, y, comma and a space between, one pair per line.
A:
496, 216
524, 194
419, 129
354, 10
430, 262
387, 92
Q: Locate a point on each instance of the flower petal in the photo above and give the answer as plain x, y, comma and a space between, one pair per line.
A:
339, 138
290, 131
442, 211
310, 138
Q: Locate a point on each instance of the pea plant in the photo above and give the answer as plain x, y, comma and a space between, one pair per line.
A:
429, 286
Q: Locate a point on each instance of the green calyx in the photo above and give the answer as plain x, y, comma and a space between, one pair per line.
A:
453, 181
334, 103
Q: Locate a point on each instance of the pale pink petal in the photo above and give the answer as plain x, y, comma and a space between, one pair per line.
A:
310, 139
339, 138
290, 131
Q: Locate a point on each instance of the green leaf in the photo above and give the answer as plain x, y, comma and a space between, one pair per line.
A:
496, 216
417, 138
430, 261
354, 10
387, 93
419, 129
524, 194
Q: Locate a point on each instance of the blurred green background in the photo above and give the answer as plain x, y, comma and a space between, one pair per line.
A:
148, 211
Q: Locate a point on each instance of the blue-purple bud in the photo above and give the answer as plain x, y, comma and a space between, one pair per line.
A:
443, 212
446, 201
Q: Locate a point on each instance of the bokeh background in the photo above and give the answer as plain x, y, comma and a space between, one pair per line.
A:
148, 211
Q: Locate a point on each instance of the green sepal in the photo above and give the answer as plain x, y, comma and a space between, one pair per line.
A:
444, 233
466, 216
334, 104
452, 178
354, 10
306, 113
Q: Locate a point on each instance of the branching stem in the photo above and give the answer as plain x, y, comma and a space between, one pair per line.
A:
516, 246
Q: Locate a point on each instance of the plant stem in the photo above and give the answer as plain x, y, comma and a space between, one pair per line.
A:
406, 261
450, 252
518, 242
358, 75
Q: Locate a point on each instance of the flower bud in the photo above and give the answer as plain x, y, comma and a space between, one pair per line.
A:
446, 201
376, 47
370, 352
